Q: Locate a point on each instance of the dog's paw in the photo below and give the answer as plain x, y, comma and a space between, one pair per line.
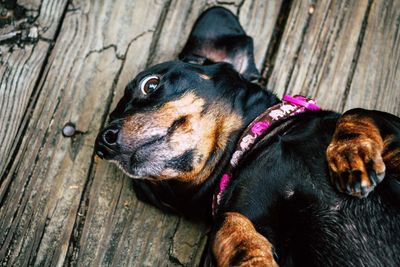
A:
237, 243
356, 165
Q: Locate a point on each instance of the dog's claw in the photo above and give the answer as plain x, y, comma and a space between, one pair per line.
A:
357, 187
373, 177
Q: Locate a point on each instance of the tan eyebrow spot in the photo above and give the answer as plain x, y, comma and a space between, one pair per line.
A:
204, 77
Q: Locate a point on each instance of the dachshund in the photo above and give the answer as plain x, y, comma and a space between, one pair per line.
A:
282, 181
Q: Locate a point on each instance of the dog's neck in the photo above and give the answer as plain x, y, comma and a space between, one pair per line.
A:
257, 130
256, 102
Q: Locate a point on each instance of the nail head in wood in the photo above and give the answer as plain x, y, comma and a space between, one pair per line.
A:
69, 130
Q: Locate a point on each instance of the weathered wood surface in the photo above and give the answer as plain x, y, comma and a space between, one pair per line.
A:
20, 71
60, 205
376, 81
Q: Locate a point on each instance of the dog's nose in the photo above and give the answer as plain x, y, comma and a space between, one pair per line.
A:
107, 142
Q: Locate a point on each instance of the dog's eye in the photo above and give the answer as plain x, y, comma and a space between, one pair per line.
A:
149, 84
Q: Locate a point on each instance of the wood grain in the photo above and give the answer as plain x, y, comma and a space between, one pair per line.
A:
258, 19
317, 50
40, 209
59, 204
20, 69
376, 83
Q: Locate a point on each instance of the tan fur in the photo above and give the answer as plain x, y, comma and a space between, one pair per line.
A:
208, 132
213, 54
391, 157
239, 61
351, 154
200, 131
237, 241
204, 76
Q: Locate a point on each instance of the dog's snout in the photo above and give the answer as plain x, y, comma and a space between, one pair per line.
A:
107, 142
110, 136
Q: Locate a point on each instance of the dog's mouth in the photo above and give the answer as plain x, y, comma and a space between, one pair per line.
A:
145, 161
134, 172
125, 168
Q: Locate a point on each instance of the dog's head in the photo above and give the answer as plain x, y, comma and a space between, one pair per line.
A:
176, 119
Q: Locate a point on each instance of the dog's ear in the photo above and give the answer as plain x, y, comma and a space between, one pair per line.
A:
217, 36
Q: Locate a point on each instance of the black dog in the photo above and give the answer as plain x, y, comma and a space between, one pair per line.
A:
178, 125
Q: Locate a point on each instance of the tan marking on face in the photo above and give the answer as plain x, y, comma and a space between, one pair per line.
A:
204, 76
209, 131
237, 243
215, 127
158, 121
197, 130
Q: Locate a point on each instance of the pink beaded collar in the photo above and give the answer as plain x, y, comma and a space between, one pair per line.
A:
290, 106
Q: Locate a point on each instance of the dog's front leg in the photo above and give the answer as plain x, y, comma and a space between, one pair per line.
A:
237, 243
365, 145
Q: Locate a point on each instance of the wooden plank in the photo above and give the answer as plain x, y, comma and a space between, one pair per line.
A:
175, 29
258, 19
317, 50
40, 208
20, 69
119, 230
376, 84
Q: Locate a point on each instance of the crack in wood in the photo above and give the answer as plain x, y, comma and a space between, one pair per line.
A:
22, 28
272, 50
74, 244
23, 128
239, 7
32, 100
227, 3
171, 255
356, 55
115, 47
298, 48
157, 33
